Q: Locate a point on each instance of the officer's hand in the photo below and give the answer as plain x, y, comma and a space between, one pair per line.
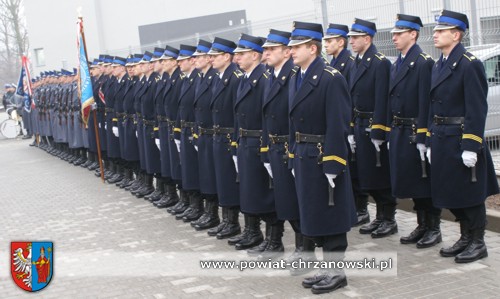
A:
330, 178
469, 158
157, 141
99, 125
293, 172
235, 160
377, 143
268, 168
387, 145
422, 149
94, 106
136, 134
115, 132
105, 126
195, 147
178, 144
352, 143
428, 154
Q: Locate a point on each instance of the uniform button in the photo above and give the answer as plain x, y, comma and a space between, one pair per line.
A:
301, 119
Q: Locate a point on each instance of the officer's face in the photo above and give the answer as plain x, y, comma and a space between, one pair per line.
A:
276, 55
130, 70
186, 65
303, 54
201, 62
332, 46
245, 60
218, 61
403, 40
359, 43
157, 67
107, 69
445, 38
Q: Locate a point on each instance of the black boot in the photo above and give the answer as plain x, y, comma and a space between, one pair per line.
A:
306, 254
274, 248
128, 177
158, 193
212, 218
388, 225
298, 249
433, 234
476, 249
370, 227
217, 229
232, 227
141, 183
361, 201
254, 236
119, 174
169, 198
461, 244
148, 189
327, 280
182, 205
256, 250
232, 241
418, 232
196, 204
204, 215
135, 182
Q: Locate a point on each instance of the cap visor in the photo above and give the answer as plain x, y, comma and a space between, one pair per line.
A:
165, 57
296, 42
271, 44
356, 33
215, 52
443, 27
399, 30
155, 59
199, 53
182, 58
331, 36
241, 50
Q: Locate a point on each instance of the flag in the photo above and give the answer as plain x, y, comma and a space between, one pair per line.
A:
84, 82
23, 92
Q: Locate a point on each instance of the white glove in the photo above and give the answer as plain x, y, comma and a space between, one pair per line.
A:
387, 145
235, 160
105, 126
293, 173
94, 106
352, 143
195, 147
268, 168
377, 143
469, 158
178, 144
99, 125
330, 178
115, 131
136, 134
428, 154
157, 141
422, 149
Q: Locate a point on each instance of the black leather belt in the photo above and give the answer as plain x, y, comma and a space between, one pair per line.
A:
171, 123
308, 138
187, 124
250, 133
278, 138
139, 115
109, 110
404, 121
223, 130
206, 131
162, 118
129, 116
119, 114
442, 120
362, 114
148, 122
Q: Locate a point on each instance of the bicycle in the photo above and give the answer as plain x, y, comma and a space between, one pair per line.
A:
11, 127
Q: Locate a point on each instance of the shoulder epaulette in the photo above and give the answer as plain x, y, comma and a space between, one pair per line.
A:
295, 70
238, 73
266, 74
380, 56
352, 58
331, 70
425, 56
199, 75
469, 56
182, 76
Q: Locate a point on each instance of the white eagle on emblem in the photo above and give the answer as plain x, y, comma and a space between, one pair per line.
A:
23, 265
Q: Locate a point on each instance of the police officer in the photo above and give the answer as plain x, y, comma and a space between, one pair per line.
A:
185, 140
409, 107
463, 175
256, 196
275, 141
172, 87
204, 141
319, 122
335, 41
369, 84
221, 105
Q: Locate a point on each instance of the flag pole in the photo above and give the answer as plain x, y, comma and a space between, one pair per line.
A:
93, 110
